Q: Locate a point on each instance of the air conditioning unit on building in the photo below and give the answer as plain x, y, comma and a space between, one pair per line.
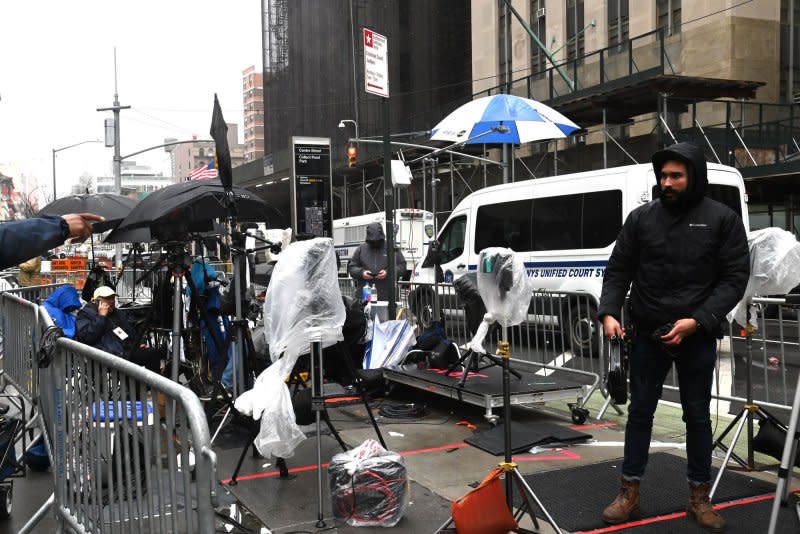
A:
541, 12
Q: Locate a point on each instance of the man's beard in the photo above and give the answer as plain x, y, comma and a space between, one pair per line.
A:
672, 197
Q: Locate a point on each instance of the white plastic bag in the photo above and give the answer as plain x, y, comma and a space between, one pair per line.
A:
774, 261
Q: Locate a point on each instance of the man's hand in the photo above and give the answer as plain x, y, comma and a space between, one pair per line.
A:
381, 275
367, 275
682, 329
611, 327
103, 308
80, 225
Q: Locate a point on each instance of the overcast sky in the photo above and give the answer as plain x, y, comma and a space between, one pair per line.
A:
57, 68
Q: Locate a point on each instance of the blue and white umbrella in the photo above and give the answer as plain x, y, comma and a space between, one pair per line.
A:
503, 119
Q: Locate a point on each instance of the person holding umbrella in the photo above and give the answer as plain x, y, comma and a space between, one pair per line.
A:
27, 238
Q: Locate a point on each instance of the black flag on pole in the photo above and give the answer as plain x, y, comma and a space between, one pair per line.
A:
222, 152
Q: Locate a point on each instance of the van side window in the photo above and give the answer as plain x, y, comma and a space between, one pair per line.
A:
507, 224
452, 239
727, 194
586, 220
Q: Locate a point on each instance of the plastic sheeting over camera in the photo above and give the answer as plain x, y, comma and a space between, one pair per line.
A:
503, 285
303, 305
774, 257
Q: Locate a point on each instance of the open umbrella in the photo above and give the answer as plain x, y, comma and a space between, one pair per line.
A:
503, 119
176, 210
112, 207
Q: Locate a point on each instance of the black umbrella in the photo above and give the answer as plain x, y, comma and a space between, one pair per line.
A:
113, 207
173, 212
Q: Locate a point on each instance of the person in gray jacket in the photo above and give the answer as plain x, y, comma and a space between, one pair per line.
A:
370, 263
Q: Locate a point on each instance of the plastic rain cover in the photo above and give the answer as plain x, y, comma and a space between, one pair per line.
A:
774, 257
303, 304
503, 285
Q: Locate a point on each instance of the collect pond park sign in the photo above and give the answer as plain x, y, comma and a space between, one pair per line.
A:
312, 186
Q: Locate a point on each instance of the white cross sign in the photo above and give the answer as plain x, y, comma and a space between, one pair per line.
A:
376, 64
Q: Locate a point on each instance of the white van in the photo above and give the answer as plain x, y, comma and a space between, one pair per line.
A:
565, 226
414, 232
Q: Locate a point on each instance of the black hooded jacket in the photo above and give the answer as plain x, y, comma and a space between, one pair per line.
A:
687, 260
371, 256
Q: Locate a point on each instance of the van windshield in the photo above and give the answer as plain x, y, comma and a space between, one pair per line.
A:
451, 241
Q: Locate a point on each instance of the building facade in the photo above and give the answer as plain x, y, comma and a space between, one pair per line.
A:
253, 97
189, 156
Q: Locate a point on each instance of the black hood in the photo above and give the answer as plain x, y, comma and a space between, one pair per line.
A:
692, 156
375, 233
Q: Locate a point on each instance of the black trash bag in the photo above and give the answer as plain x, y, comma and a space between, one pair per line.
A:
770, 440
467, 290
435, 348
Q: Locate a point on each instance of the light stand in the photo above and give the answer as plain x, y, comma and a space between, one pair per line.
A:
745, 415
318, 406
502, 284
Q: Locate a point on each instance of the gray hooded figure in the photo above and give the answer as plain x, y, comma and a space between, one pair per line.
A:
370, 264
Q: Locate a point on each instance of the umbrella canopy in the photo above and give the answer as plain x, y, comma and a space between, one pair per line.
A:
172, 212
113, 207
504, 119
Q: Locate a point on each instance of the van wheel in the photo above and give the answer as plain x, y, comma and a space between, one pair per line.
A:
582, 330
421, 303
6, 502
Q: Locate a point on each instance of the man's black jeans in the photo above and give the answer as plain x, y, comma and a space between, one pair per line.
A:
649, 364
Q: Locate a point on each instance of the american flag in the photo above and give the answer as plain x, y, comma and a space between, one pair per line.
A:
204, 172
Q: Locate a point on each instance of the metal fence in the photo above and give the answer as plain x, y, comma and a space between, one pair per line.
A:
131, 449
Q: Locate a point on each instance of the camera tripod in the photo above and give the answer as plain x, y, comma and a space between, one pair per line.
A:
509, 467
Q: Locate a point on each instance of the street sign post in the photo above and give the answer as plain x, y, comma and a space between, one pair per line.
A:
311, 190
376, 82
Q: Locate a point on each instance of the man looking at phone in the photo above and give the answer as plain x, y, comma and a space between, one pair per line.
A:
370, 262
685, 259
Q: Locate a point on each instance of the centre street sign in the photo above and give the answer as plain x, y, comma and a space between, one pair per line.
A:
376, 64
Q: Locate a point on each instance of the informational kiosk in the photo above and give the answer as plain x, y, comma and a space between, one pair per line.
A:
312, 186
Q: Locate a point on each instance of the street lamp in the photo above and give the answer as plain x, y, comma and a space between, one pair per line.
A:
65, 148
355, 125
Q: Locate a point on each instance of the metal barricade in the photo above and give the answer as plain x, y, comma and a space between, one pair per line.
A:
35, 294
347, 286
19, 330
774, 359
131, 449
561, 332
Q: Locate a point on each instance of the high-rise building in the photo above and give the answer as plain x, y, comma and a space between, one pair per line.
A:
253, 96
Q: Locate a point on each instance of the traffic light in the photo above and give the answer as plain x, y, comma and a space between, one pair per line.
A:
352, 155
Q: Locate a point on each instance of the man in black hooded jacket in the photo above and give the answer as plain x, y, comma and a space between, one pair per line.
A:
685, 258
370, 262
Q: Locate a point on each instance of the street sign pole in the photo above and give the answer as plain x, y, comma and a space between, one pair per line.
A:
376, 82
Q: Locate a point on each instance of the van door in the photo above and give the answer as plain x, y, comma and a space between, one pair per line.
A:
454, 263
454, 253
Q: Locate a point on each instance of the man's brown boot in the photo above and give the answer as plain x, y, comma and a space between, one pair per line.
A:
626, 503
701, 510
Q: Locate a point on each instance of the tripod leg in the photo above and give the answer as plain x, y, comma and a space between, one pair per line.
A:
249, 442
333, 430
527, 492
787, 463
357, 381
742, 421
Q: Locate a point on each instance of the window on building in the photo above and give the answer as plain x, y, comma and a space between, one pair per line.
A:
538, 24
503, 28
787, 94
617, 22
575, 39
669, 15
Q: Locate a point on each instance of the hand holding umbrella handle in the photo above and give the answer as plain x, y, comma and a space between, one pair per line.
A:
80, 225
